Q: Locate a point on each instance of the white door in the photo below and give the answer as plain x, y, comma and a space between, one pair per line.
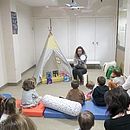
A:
60, 31
86, 35
41, 31
105, 43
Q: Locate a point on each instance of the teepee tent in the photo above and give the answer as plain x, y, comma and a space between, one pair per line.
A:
51, 60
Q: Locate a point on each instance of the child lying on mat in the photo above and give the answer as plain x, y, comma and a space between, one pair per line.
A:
75, 94
86, 120
30, 97
99, 92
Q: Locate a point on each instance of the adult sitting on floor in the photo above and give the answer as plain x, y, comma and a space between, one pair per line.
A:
18, 122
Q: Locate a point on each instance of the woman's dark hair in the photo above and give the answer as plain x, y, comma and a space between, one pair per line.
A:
101, 80
18, 122
76, 52
75, 84
117, 101
117, 72
28, 84
86, 120
1, 105
8, 106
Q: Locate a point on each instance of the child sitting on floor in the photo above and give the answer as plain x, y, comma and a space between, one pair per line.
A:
90, 85
99, 92
116, 79
8, 107
30, 97
75, 94
86, 120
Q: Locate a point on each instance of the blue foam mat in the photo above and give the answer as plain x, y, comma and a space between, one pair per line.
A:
99, 112
50, 113
7, 95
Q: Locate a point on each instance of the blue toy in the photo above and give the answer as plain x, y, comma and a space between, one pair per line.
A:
66, 78
49, 80
49, 77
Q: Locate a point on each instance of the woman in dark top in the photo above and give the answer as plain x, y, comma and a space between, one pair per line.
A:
117, 101
80, 66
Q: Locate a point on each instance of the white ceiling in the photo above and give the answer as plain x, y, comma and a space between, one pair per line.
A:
59, 3
36, 3
95, 6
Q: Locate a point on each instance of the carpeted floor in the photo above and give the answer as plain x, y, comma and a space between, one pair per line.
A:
56, 89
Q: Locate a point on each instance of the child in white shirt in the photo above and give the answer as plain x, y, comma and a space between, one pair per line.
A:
30, 97
117, 79
126, 85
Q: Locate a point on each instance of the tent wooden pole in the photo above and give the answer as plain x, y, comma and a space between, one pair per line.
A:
50, 28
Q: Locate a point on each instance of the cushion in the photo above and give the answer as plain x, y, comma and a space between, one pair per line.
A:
34, 111
99, 112
63, 105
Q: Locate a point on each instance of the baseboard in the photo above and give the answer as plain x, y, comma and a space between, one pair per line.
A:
94, 66
17, 83
10, 84
14, 84
28, 69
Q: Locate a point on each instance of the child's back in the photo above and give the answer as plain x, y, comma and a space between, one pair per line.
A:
30, 97
99, 91
98, 95
75, 94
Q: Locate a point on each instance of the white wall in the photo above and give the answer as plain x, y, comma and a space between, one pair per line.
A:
127, 47
41, 13
122, 28
17, 52
13, 75
25, 37
3, 78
